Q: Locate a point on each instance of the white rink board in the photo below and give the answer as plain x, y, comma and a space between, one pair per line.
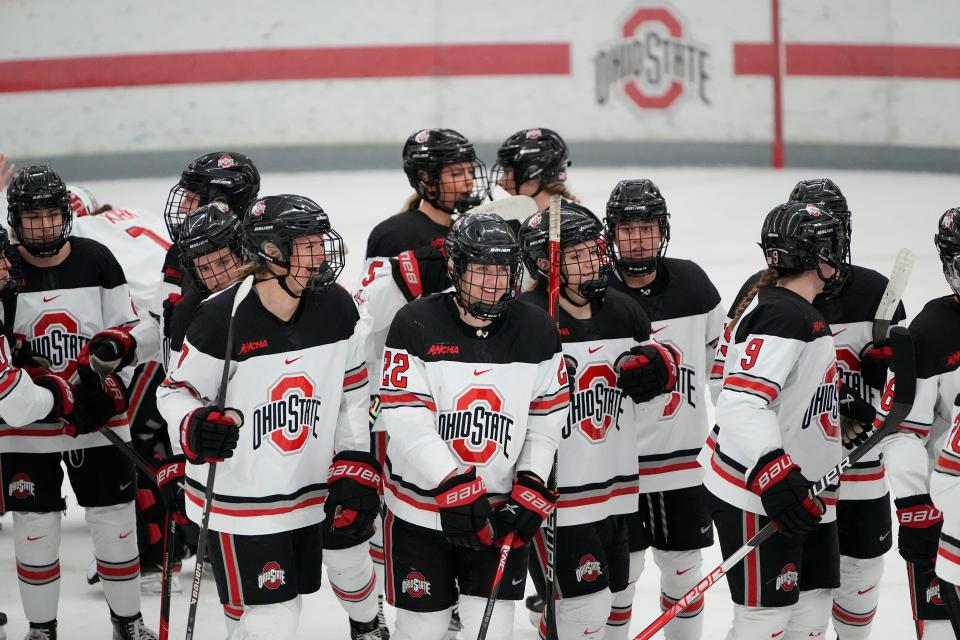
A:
715, 215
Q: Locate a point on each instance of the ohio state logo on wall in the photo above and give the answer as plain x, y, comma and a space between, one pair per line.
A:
289, 417
56, 336
477, 425
653, 62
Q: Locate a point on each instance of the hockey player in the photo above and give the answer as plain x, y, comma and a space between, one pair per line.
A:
910, 453
685, 310
863, 511
447, 178
944, 486
777, 430
608, 355
473, 395
533, 162
297, 322
71, 289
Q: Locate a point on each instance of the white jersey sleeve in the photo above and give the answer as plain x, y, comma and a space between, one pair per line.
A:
353, 428
945, 491
548, 414
21, 401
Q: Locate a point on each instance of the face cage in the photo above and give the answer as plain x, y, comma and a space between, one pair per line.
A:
639, 266
189, 267
488, 310
328, 269
429, 188
596, 287
173, 216
499, 171
835, 255
50, 247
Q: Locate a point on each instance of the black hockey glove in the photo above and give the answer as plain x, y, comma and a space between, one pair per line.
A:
919, 535
529, 505
647, 371
353, 500
420, 272
785, 494
169, 304
856, 417
208, 435
170, 478
465, 511
110, 350
64, 398
97, 401
26, 358
874, 363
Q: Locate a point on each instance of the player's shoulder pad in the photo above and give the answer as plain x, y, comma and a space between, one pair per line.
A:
410, 328
936, 340
744, 290
336, 306
690, 291
91, 252
621, 310
209, 325
535, 332
860, 297
783, 314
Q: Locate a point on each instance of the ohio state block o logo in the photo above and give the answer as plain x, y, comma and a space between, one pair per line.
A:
477, 397
56, 335
291, 438
601, 375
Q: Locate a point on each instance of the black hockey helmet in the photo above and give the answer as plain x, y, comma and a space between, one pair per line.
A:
206, 230
577, 224
825, 193
221, 175
797, 236
271, 225
483, 238
38, 188
947, 241
427, 152
532, 154
637, 200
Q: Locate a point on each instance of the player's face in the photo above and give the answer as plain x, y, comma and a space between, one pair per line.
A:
307, 257
505, 180
217, 269
581, 263
638, 239
485, 282
41, 225
190, 201
456, 181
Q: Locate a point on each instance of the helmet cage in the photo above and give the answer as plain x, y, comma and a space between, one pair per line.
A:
39, 188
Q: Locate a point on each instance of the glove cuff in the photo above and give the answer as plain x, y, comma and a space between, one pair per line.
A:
771, 469
359, 466
174, 469
63, 400
461, 490
917, 512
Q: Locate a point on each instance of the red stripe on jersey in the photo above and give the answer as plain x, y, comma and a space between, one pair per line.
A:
723, 473
620, 616
679, 466
579, 502
252, 513
129, 571
716, 370
948, 555
400, 399
738, 383
550, 403
923, 432
143, 381
425, 506
947, 463
356, 378
173, 384
355, 596
855, 619
862, 478
9, 380
43, 574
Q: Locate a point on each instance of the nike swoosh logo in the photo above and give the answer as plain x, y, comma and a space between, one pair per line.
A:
705, 529
516, 582
860, 593
594, 350
839, 332
653, 331
125, 485
884, 536
777, 634
291, 360
51, 299
680, 573
481, 372
123, 536
587, 632
34, 538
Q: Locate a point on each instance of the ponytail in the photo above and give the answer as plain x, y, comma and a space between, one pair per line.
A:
559, 188
768, 278
412, 202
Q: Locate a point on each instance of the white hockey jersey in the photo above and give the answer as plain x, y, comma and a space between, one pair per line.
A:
779, 392
302, 389
21, 401
58, 310
685, 311
596, 461
454, 397
945, 491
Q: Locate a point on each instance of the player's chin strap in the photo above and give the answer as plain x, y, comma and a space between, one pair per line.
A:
281, 280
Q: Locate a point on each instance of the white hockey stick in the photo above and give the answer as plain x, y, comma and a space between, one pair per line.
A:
892, 294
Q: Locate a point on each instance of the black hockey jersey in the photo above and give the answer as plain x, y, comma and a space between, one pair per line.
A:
302, 389
779, 392
850, 315
58, 310
453, 397
687, 314
409, 229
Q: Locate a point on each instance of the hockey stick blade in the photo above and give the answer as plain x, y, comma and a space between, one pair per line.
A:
509, 208
904, 389
902, 268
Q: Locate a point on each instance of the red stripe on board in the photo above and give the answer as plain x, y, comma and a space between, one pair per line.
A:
850, 60
257, 65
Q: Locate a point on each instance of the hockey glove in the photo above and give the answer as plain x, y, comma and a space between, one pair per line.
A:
168, 306
529, 505
465, 511
420, 272
353, 500
98, 400
919, 533
856, 417
109, 351
64, 398
24, 357
208, 435
170, 478
785, 494
874, 363
647, 371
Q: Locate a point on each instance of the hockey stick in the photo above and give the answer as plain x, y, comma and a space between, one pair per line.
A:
242, 290
904, 388
902, 268
495, 585
550, 534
